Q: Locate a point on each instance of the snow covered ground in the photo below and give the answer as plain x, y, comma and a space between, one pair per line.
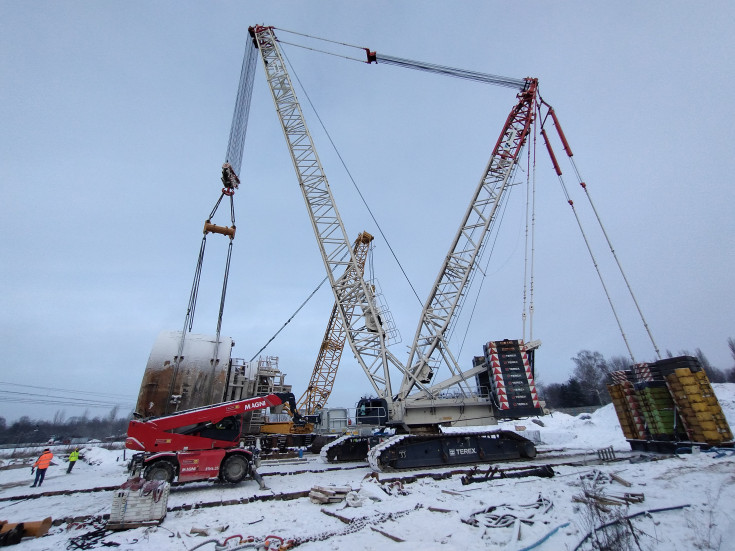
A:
427, 513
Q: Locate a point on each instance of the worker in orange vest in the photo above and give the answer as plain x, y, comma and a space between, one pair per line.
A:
41, 465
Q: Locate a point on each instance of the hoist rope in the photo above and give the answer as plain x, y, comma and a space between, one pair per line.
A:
189, 322
525, 241
238, 129
349, 174
528, 266
532, 278
233, 156
193, 295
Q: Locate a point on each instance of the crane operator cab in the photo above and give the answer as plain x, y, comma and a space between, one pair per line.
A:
372, 411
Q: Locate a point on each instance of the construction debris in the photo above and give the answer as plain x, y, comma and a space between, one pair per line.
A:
354, 499
619, 480
12, 533
139, 502
438, 510
91, 539
329, 494
32, 529
606, 454
627, 519
494, 472
386, 534
503, 516
601, 501
596, 477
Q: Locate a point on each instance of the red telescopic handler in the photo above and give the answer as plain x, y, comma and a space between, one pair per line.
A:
202, 443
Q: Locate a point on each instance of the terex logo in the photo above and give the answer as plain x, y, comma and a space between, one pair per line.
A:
462, 451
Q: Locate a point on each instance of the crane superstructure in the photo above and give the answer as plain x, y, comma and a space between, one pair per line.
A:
417, 407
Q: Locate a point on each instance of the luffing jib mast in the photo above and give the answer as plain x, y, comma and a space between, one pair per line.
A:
330, 351
352, 294
456, 272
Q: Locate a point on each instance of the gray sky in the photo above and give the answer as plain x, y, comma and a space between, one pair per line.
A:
115, 119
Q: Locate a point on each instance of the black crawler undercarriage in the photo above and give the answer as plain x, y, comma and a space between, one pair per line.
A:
433, 450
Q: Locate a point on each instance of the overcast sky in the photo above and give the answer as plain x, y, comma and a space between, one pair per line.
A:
115, 118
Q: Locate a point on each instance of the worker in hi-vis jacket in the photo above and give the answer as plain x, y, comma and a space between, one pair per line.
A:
73, 456
41, 464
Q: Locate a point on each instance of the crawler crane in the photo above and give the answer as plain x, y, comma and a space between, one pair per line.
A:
417, 408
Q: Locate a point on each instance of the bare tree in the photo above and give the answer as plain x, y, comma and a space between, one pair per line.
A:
591, 371
714, 374
618, 363
730, 374
59, 417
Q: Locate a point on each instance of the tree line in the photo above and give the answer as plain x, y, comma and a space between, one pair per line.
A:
28, 431
587, 385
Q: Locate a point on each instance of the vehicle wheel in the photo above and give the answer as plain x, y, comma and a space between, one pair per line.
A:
528, 450
234, 468
160, 470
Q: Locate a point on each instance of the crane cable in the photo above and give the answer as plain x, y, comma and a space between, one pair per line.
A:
349, 174
615, 256
584, 236
230, 179
289, 319
568, 150
373, 57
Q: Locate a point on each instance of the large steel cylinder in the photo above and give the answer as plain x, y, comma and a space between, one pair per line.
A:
196, 379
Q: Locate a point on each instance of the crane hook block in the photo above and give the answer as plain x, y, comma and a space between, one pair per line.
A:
214, 228
229, 178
